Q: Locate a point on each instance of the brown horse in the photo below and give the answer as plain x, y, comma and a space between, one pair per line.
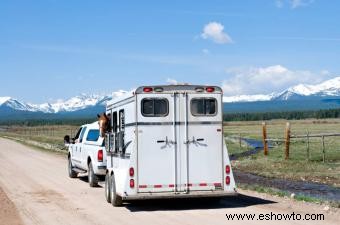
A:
104, 124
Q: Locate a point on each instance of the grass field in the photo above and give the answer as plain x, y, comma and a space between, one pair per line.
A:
46, 137
298, 167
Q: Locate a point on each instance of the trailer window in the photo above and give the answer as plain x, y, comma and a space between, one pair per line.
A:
92, 135
203, 106
155, 107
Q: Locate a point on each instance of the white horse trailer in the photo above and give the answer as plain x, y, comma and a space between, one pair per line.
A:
167, 142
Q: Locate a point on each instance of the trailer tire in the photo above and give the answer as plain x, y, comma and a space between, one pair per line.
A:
93, 179
108, 187
71, 172
116, 200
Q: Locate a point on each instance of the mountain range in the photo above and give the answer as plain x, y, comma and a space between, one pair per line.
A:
300, 97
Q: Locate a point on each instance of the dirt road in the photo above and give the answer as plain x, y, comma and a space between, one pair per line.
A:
38, 185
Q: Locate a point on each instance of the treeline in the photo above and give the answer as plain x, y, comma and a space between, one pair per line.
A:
289, 115
46, 122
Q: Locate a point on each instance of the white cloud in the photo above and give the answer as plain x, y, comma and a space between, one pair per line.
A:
214, 31
265, 80
172, 81
293, 3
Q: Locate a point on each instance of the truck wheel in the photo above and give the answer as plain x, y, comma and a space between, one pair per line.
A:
116, 200
93, 179
107, 188
71, 172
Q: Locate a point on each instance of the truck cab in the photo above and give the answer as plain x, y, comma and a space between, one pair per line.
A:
86, 154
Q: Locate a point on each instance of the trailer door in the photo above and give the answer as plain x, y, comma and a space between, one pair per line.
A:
179, 142
156, 143
200, 140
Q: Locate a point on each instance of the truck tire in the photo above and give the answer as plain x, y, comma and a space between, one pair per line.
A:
93, 179
107, 187
71, 172
116, 200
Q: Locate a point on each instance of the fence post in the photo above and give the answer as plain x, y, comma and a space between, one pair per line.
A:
323, 149
287, 140
264, 138
240, 141
308, 153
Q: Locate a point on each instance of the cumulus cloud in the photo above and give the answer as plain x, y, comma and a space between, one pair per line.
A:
293, 3
215, 31
172, 81
265, 80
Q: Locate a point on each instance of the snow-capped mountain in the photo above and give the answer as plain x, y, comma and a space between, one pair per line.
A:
79, 102
15, 104
329, 88
324, 95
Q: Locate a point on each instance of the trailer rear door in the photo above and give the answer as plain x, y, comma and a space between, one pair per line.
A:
179, 142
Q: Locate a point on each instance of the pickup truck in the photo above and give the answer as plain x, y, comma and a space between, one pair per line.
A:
86, 153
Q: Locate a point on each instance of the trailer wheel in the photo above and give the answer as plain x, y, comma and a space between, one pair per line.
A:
108, 187
116, 200
71, 172
93, 179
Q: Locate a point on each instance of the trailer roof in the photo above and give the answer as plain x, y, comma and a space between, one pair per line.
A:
185, 87
156, 89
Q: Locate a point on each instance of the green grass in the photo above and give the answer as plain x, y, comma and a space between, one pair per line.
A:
298, 167
41, 137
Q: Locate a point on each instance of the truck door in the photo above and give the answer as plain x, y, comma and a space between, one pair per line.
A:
79, 148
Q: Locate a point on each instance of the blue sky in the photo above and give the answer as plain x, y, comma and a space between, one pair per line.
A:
53, 49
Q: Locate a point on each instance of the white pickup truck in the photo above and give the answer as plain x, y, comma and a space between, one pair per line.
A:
86, 153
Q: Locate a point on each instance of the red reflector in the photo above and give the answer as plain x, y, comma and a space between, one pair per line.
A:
227, 180
143, 186
147, 89
157, 186
217, 184
210, 89
203, 184
100, 155
171, 185
132, 183
131, 171
227, 169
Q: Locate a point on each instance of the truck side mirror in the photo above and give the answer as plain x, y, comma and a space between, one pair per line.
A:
66, 139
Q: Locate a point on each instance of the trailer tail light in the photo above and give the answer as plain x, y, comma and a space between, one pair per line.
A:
227, 169
210, 89
131, 171
227, 180
100, 155
147, 89
132, 183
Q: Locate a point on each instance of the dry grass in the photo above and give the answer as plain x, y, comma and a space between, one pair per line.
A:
298, 167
